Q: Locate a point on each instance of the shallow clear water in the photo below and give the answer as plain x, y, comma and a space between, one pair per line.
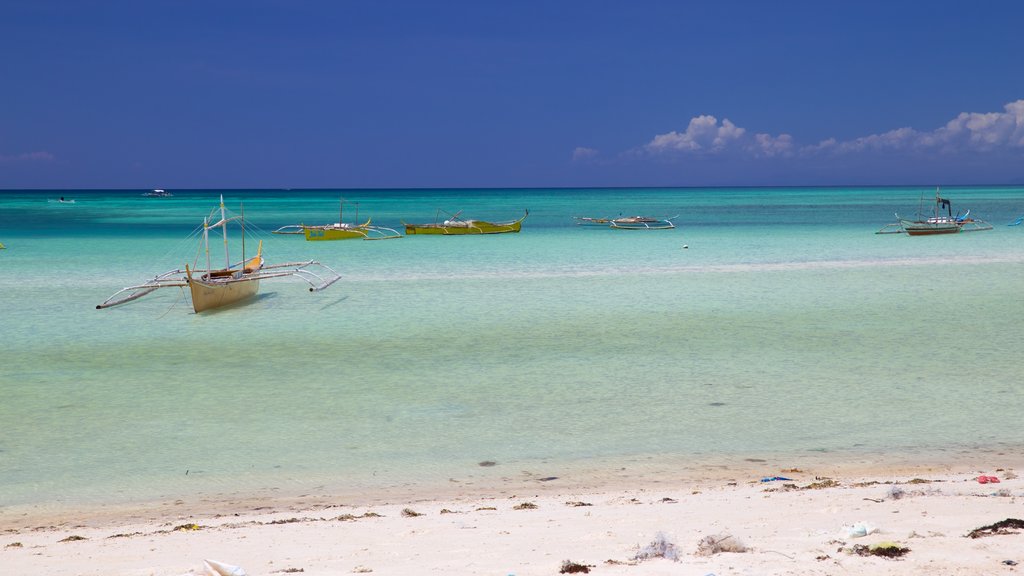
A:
770, 321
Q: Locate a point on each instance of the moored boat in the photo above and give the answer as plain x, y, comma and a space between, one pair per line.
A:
937, 223
341, 230
643, 223
212, 287
597, 222
158, 193
455, 225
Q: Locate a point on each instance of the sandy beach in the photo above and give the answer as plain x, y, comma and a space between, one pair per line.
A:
796, 521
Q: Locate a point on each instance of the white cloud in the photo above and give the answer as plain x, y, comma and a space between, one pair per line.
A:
968, 132
581, 154
770, 146
703, 134
26, 157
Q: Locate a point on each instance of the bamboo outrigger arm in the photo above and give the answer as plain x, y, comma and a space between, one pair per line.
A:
317, 282
140, 290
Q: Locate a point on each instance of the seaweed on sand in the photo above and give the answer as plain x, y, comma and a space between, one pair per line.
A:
570, 567
1008, 526
884, 550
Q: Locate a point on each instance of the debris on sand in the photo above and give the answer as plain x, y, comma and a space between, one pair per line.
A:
718, 543
660, 547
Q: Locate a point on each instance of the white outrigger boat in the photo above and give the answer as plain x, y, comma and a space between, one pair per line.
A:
937, 223
628, 222
643, 223
215, 287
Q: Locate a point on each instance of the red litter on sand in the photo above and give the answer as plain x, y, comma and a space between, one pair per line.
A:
988, 480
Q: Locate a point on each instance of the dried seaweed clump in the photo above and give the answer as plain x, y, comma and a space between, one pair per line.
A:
718, 543
570, 567
73, 538
525, 506
410, 513
1007, 526
660, 547
884, 550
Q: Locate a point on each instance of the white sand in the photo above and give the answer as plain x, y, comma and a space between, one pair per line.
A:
788, 531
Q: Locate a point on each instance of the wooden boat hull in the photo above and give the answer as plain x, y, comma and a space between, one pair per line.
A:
477, 228
464, 227
210, 295
930, 228
323, 233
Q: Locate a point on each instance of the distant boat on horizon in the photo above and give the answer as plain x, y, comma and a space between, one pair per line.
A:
158, 193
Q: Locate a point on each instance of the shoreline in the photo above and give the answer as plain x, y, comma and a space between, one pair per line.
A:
795, 526
488, 479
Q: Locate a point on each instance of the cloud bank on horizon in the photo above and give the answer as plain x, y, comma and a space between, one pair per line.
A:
705, 135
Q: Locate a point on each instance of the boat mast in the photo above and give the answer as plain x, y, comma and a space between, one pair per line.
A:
341, 210
224, 229
241, 209
206, 241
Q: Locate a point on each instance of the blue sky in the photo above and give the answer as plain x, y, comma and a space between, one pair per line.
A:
277, 94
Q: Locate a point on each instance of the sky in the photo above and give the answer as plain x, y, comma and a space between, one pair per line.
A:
514, 93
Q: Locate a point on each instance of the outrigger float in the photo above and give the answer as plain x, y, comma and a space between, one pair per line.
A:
215, 287
341, 230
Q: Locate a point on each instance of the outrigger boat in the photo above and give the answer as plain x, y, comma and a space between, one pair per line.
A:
643, 223
158, 193
586, 221
628, 222
457, 226
937, 223
215, 287
341, 230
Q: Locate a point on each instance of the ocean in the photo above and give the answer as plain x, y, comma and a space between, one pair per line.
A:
772, 324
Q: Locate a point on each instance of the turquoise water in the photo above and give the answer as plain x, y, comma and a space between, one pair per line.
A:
771, 321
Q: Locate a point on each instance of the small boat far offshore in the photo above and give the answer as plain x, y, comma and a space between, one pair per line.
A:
455, 226
216, 287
